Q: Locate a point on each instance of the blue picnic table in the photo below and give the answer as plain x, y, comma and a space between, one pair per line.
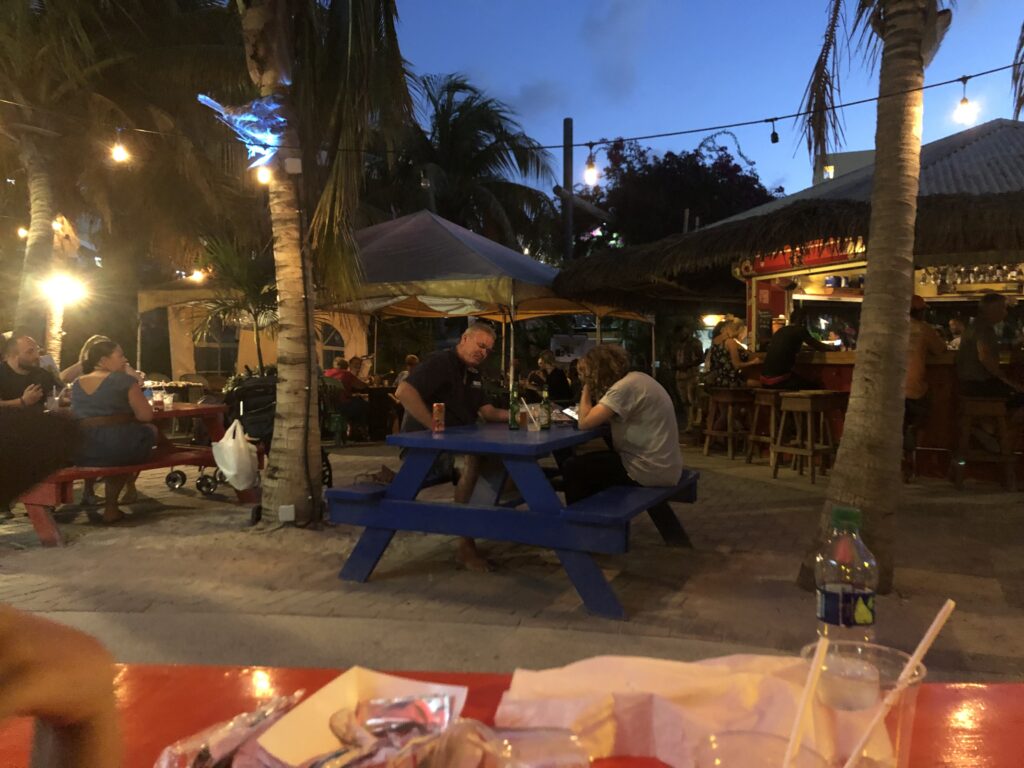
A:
598, 524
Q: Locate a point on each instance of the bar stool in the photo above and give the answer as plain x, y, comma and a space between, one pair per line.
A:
729, 398
808, 411
974, 411
764, 400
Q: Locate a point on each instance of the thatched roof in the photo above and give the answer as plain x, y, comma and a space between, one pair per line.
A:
970, 211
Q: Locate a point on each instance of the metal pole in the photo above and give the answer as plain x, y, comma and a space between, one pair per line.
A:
567, 184
654, 351
597, 322
376, 325
138, 344
512, 338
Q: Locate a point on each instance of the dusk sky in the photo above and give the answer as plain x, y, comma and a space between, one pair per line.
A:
631, 67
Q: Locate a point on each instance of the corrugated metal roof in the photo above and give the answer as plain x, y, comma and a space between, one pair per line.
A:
986, 159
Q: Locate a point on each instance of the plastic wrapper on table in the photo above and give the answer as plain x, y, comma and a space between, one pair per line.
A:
470, 744
215, 746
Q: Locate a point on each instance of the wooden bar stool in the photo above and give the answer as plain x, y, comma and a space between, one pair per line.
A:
730, 399
765, 400
808, 411
973, 413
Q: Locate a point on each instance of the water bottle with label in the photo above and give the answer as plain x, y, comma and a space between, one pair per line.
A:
846, 574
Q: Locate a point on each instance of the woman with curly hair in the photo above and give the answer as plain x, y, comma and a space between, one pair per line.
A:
645, 436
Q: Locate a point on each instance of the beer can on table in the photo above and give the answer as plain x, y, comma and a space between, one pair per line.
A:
437, 419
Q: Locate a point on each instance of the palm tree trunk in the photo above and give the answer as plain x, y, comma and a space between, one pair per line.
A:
867, 469
30, 315
293, 470
259, 346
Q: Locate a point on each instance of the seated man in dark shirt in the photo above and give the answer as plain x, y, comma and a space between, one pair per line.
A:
23, 384
977, 359
452, 377
785, 345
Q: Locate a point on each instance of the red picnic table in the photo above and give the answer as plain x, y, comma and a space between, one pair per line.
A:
960, 725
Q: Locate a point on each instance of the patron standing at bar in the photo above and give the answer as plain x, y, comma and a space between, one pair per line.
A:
785, 345
924, 341
977, 360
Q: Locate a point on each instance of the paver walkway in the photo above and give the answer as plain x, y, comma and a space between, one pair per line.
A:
185, 580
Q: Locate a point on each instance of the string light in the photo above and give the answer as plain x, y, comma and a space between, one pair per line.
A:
966, 112
775, 134
264, 175
22, 232
119, 153
197, 276
590, 174
57, 225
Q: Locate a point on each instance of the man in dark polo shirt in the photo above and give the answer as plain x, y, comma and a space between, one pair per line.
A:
785, 345
452, 377
23, 384
977, 359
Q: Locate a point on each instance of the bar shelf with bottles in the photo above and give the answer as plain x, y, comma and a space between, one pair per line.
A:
828, 281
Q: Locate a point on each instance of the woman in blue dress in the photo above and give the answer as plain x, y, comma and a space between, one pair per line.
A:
114, 416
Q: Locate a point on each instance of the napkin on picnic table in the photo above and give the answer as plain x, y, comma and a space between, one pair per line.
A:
641, 707
305, 734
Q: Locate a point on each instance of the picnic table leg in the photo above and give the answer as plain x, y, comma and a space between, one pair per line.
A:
46, 527
597, 594
366, 554
668, 525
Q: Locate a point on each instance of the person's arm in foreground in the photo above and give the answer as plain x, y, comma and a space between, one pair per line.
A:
592, 416
412, 401
64, 679
33, 394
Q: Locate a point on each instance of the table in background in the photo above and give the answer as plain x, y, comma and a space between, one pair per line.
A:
957, 725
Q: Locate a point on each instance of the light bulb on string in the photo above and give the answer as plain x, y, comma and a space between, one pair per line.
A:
119, 153
264, 175
590, 174
775, 134
966, 112
22, 232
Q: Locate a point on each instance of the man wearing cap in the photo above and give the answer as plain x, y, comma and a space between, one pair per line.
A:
924, 341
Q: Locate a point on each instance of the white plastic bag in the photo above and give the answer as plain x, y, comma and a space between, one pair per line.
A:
236, 457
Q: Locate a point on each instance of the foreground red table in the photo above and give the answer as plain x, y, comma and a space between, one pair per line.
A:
957, 726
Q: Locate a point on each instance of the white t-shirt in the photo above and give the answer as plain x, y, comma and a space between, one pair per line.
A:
644, 429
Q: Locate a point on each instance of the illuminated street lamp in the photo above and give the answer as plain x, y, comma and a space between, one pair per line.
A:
119, 153
264, 175
60, 290
967, 111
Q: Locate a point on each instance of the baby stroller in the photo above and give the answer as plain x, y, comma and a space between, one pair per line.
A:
253, 400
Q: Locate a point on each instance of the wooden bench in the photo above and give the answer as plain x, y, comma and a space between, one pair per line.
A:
597, 524
57, 489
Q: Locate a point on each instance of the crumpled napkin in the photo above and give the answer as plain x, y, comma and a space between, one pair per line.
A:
621, 705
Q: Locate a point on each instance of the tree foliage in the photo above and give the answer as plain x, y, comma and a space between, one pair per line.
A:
649, 194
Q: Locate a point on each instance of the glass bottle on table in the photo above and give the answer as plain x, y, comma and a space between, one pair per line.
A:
545, 410
513, 406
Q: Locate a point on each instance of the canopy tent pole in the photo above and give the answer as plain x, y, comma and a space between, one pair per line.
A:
597, 322
138, 344
376, 325
654, 351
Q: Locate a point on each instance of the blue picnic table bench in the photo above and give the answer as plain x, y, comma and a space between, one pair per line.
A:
598, 524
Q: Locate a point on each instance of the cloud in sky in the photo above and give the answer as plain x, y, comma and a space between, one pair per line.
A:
540, 96
612, 33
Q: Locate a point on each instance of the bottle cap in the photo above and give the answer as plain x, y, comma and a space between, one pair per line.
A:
846, 517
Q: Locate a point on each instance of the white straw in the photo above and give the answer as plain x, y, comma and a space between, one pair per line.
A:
810, 686
903, 681
528, 411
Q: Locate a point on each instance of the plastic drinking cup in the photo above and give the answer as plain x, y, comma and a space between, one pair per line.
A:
747, 749
856, 676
